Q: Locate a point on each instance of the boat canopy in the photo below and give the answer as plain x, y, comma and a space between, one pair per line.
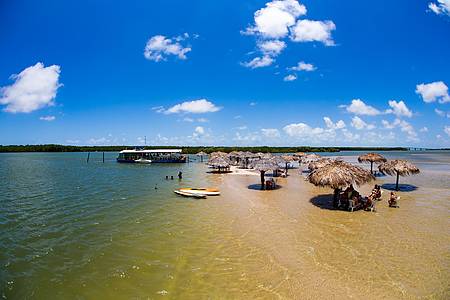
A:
152, 151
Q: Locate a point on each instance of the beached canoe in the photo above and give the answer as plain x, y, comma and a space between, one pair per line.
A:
201, 191
187, 194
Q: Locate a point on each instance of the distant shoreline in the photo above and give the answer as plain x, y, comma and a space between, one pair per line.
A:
196, 149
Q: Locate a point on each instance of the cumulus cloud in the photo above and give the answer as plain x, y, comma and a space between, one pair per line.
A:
359, 124
199, 130
358, 107
278, 20
440, 7
290, 77
33, 88
302, 66
274, 20
194, 107
399, 109
259, 62
423, 129
47, 118
338, 125
301, 130
404, 126
270, 132
313, 31
271, 47
442, 113
159, 47
434, 91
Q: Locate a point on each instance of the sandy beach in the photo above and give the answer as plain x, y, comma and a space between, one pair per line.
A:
311, 251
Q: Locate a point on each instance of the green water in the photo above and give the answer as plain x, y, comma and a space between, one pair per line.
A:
76, 230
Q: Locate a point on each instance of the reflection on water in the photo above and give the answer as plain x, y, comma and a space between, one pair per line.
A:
68, 228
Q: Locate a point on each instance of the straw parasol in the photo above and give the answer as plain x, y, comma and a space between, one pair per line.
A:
398, 167
245, 156
219, 162
310, 157
288, 159
372, 158
218, 153
319, 163
264, 165
201, 154
339, 174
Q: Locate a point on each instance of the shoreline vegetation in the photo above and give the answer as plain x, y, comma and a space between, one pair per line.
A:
193, 149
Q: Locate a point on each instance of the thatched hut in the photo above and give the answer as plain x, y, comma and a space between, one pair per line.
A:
264, 165
339, 174
372, 158
246, 158
287, 160
398, 167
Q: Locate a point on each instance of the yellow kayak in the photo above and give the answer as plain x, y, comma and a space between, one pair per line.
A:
186, 194
201, 191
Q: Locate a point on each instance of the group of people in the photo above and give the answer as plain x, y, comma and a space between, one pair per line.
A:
350, 199
180, 176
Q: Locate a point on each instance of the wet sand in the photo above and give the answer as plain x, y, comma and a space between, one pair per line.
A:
311, 251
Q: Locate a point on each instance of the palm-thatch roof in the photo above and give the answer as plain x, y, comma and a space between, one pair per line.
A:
310, 157
371, 157
319, 163
219, 162
234, 154
264, 165
218, 153
339, 174
288, 158
398, 166
201, 153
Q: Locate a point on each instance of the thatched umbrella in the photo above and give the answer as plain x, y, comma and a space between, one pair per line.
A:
219, 162
218, 153
299, 155
339, 174
264, 165
372, 158
319, 163
246, 156
310, 157
288, 159
398, 167
201, 154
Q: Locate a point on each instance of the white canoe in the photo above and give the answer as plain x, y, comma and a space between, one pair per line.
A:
187, 194
201, 191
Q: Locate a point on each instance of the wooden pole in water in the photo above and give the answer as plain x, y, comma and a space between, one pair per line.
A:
89, 154
103, 157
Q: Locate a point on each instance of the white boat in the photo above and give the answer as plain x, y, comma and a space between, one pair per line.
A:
187, 194
143, 161
201, 191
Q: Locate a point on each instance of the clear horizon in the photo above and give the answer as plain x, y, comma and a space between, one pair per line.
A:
260, 73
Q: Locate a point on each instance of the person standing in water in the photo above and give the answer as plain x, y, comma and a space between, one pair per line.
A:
180, 175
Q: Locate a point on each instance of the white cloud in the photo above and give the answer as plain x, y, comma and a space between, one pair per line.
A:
271, 47
187, 119
259, 62
47, 118
302, 66
202, 120
195, 107
423, 129
440, 7
313, 31
274, 20
439, 112
359, 124
199, 130
301, 130
159, 47
399, 109
270, 132
339, 124
447, 130
433, 91
404, 127
241, 127
33, 88
358, 107
290, 77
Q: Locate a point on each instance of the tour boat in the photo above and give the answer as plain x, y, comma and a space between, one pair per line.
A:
151, 156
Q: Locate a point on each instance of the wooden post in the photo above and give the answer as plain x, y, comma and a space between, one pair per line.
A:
371, 167
89, 154
103, 157
262, 180
396, 184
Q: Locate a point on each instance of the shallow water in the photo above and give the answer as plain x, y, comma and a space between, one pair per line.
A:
71, 229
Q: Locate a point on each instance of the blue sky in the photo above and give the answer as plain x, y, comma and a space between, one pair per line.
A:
284, 72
